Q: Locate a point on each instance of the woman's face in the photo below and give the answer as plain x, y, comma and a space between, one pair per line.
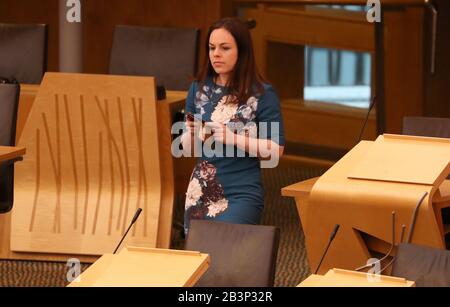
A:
223, 51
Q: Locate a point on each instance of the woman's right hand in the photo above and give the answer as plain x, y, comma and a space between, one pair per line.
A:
195, 128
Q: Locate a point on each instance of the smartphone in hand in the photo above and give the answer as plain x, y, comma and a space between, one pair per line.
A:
192, 118
203, 135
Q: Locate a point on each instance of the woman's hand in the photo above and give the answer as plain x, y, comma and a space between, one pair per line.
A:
195, 129
221, 133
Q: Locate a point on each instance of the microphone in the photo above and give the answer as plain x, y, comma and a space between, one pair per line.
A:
372, 104
136, 216
333, 235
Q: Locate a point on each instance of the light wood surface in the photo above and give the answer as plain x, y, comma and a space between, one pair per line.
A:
9, 153
443, 194
85, 175
166, 110
395, 158
145, 268
302, 188
344, 278
301, 192
28, 93
363, 209
326, 125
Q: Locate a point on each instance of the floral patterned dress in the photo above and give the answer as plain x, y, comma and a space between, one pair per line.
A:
229, 188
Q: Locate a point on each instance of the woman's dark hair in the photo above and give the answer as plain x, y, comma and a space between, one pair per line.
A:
245, 80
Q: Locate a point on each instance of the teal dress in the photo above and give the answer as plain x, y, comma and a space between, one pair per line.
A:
226, 187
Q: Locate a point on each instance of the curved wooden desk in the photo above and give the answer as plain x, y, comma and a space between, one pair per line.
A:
145, 267
65, 217
343, 278
363, 206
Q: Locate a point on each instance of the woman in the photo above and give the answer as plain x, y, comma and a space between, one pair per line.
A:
230, 96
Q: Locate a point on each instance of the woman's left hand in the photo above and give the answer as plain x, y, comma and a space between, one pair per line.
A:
221, 133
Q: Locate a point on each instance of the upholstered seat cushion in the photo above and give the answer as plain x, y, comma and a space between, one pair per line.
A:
169, 54
23, 52
428, 267
241, 255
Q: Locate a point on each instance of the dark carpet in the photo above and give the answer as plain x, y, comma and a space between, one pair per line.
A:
292, 263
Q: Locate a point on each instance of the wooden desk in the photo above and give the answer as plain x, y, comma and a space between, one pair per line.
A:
344, 278
145, 268
9, 153
166, 110
363, 206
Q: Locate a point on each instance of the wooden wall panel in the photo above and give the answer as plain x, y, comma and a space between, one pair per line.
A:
403, 66
101, 17
85, 173
438, 84
178, 168
320, 124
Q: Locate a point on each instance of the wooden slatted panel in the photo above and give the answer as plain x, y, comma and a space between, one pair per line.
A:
93, 159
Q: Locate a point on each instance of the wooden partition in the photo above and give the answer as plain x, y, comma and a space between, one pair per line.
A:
100, 16
167, 110
86, 174
174, 175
